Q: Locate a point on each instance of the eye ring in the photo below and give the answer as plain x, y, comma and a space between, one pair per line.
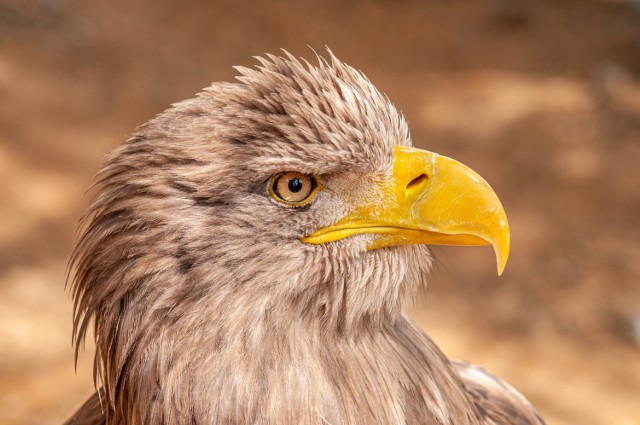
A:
292, 188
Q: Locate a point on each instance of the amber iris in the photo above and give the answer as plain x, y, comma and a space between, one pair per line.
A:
292, 188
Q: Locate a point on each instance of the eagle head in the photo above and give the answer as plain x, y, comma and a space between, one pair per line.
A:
245, 228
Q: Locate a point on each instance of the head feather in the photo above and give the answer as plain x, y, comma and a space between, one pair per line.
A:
185, 266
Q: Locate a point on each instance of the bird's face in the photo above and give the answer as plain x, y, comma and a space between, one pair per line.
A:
302, 185
295, 190
371, 226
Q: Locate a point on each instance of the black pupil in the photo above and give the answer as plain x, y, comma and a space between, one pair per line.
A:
295, 185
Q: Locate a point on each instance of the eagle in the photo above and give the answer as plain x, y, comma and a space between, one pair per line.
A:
247, 254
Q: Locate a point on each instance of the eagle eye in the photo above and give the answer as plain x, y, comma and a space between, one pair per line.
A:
292, 188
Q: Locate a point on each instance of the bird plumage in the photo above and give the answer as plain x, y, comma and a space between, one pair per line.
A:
206, 306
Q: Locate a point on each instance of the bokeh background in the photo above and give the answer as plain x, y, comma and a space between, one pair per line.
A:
542, 98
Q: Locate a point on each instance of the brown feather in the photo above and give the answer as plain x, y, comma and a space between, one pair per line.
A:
498, 402
206, 306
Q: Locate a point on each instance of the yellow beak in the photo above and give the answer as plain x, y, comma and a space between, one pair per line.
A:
431, 199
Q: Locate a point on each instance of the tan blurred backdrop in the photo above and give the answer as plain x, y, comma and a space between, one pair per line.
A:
542, 98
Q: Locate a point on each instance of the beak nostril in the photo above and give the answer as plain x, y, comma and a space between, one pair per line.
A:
417, 181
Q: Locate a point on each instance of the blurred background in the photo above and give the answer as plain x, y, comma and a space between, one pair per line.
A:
542, 98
